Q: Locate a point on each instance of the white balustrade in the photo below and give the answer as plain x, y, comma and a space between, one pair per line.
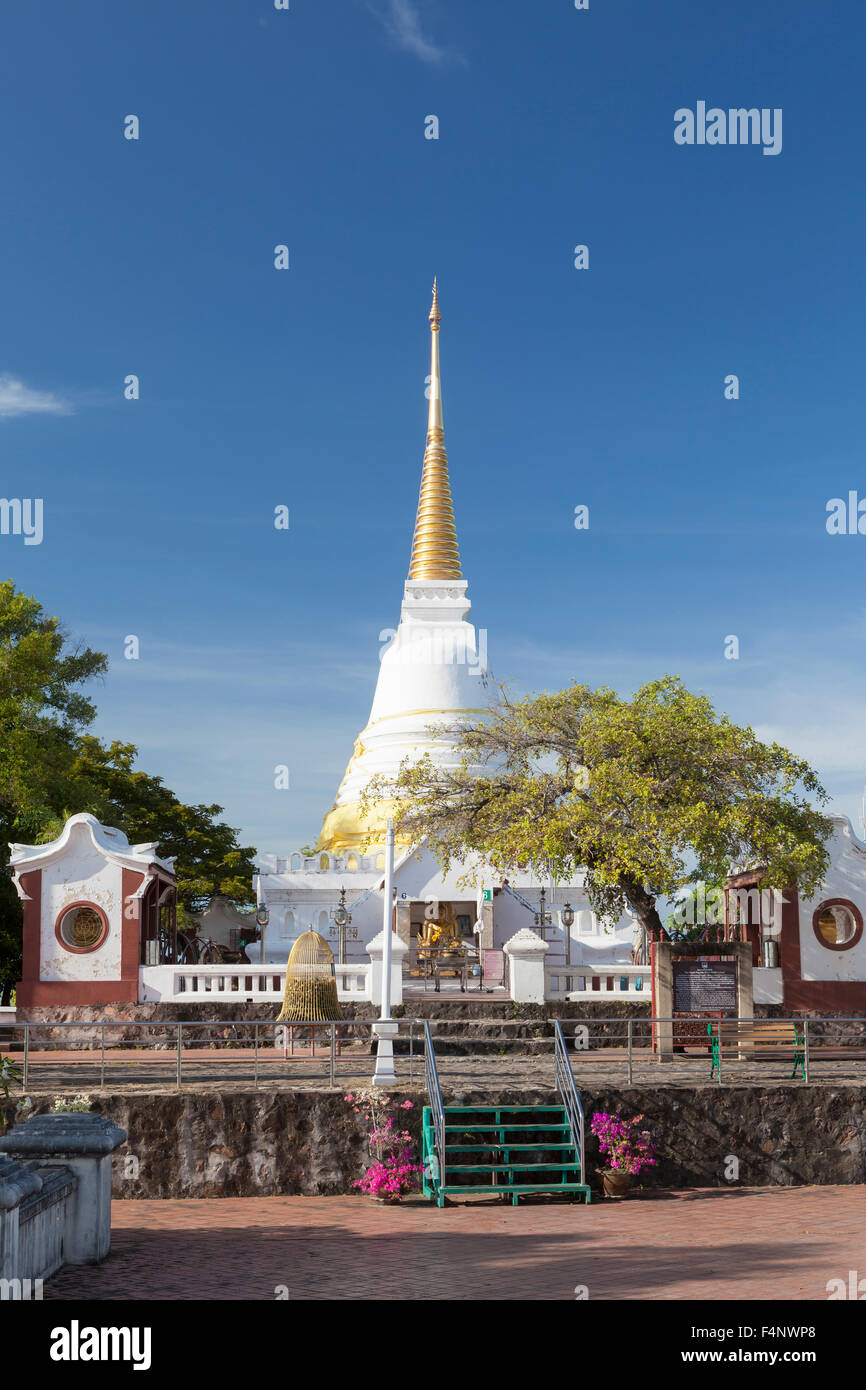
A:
203, 983
354, 981
598, 982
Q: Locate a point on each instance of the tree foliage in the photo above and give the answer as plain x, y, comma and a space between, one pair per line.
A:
697, 907
51, 767
42, 710
643, 793
103, 780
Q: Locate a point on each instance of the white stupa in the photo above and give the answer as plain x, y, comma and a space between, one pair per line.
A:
431, 672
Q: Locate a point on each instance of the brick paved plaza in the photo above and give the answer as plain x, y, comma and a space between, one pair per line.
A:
709, 1243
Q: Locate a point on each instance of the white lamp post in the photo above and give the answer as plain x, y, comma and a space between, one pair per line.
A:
385, 1030
262, 916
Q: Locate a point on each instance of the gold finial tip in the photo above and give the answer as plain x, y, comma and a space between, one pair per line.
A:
435, 316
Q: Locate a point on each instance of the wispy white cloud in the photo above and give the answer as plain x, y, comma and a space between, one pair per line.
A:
18, 399
403, 24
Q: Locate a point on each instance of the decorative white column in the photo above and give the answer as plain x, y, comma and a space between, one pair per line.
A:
526, 952
376, 951
386, 1030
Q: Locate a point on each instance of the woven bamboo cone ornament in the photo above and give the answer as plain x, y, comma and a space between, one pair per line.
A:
311, 985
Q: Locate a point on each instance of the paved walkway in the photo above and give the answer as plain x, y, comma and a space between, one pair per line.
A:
217, 1068
758, 1243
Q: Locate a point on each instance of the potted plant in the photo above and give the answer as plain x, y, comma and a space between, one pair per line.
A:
393, 1172
628, 1150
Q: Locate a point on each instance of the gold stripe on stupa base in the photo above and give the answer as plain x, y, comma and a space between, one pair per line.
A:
434, 545
354, 827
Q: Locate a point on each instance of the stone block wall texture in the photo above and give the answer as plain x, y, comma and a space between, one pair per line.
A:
258, 1143
218, 1022
230, 1024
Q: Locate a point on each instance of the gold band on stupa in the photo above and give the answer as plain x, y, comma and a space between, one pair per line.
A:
434, 545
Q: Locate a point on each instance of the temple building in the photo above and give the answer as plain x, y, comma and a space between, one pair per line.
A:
432, 674
99, 914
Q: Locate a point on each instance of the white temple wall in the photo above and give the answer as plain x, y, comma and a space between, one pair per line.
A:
421, 877
83, 874
509, 916
311, 899
846, 878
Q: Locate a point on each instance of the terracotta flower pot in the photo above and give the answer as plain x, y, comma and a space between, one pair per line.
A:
616, 1183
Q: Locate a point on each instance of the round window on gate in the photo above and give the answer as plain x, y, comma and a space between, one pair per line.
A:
838, 924
81, 927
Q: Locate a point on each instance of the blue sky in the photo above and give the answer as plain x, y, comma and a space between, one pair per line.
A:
306, 387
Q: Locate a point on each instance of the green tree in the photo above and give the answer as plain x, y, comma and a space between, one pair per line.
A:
645, 793
51, 767
42, 713
209, 859
698, 906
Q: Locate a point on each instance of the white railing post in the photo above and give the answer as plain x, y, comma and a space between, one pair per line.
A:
526, 951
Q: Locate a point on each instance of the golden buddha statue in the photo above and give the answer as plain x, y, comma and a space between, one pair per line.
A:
441, 931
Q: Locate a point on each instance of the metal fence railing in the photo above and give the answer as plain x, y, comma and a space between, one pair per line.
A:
165, 1052
54, 1056
717, 1048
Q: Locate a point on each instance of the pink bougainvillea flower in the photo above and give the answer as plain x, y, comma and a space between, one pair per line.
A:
625, 1150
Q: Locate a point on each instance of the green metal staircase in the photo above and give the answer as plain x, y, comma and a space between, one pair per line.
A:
505, 1150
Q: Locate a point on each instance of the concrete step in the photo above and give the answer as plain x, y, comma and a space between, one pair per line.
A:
469, 1045
538, 1146
491, 1028
538, 1168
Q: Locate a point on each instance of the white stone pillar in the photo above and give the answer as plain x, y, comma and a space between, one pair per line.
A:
376, 950
84, 1142
526, 952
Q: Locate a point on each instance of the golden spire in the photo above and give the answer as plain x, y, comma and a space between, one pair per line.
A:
434, 544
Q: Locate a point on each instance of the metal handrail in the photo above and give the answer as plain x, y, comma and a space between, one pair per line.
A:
507, 888
629, 1042
431, 1078
96, 1053
567, 1088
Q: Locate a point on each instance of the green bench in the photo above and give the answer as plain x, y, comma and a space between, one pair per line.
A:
758, 1039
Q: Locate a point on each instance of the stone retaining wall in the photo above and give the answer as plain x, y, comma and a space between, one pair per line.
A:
260, 1143
491, 1019
215, 1021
